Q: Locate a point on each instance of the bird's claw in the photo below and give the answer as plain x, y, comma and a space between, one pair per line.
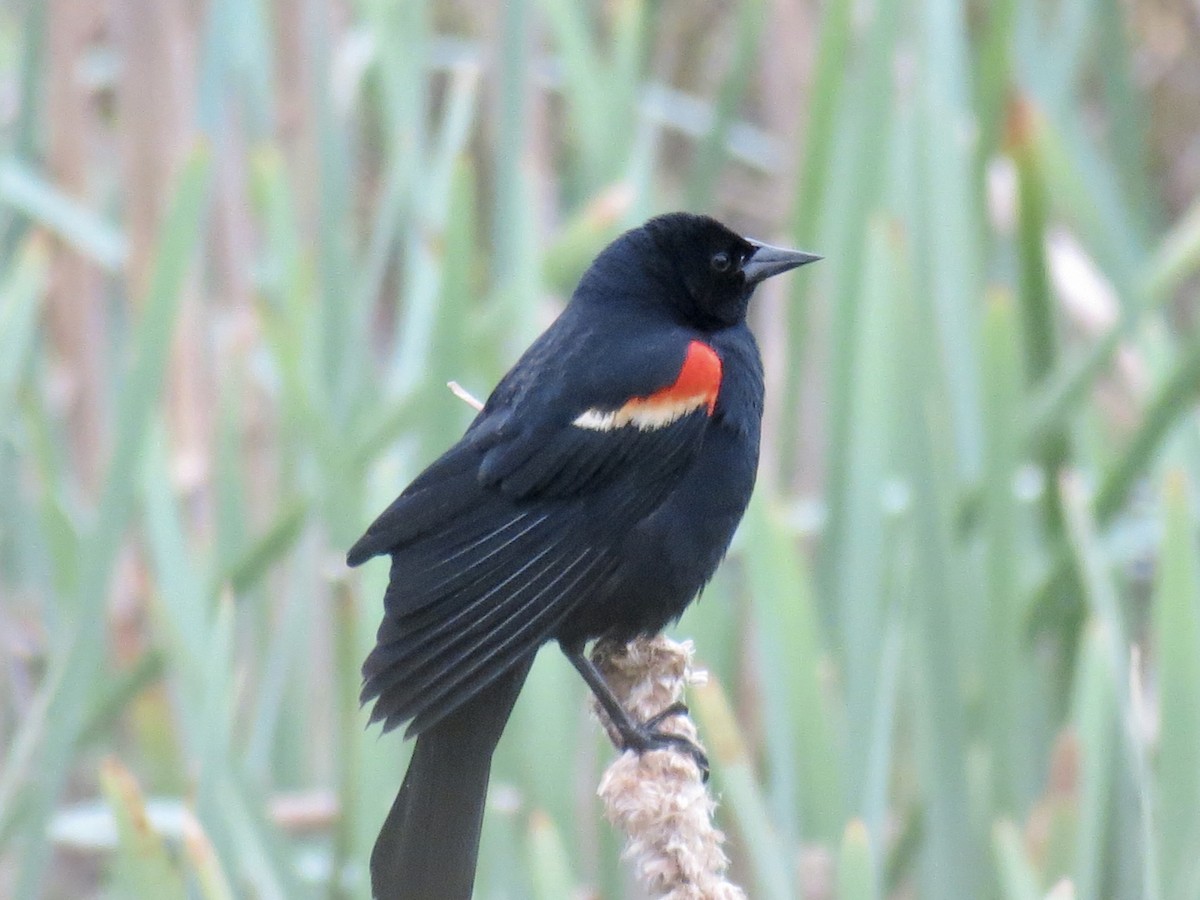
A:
678, 708
648, 737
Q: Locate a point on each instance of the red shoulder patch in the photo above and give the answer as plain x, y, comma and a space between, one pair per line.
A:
699, 379
695, 387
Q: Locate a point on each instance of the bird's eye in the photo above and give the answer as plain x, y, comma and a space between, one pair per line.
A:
720, 262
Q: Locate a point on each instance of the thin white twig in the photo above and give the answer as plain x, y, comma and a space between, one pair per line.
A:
464, 395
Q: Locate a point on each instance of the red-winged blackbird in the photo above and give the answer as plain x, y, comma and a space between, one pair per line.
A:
593, 496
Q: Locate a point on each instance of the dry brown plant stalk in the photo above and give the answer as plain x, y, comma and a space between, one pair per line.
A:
659, 798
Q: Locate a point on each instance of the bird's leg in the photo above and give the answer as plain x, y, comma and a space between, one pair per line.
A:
635, 736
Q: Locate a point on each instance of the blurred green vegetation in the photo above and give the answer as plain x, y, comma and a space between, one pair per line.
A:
245, 243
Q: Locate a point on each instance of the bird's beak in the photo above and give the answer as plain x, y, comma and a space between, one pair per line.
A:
768, 261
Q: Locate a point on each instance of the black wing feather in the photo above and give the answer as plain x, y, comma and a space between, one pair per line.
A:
520, 637
438, 494
514, 631
572, 460
426, 637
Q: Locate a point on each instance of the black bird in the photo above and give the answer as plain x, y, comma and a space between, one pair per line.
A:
593, 496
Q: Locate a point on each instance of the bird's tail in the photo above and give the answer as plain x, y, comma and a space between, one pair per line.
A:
429, 843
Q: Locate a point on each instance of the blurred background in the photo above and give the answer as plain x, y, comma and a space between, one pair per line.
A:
244, 244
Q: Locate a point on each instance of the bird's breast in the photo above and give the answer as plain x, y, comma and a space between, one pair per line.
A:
667, 558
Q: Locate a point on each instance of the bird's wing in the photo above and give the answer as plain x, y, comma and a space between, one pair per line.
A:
634, 414
498, 541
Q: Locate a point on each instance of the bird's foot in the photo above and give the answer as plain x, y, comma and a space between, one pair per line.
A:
678, 708
647, 736
629, 734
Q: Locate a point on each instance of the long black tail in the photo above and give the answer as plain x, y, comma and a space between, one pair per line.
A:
429, 843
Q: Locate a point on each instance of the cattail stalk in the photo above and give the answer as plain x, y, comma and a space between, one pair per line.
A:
659, 798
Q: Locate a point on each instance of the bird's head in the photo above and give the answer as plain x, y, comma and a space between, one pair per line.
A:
708, 271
